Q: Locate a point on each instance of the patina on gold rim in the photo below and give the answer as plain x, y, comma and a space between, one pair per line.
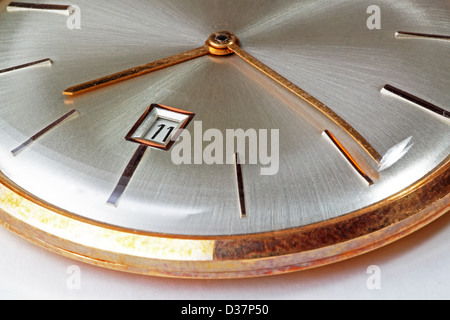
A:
226, 257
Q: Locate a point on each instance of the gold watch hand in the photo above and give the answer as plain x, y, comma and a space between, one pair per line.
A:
233, 47
138, 71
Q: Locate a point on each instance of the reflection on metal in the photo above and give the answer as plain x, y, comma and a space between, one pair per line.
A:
394, 154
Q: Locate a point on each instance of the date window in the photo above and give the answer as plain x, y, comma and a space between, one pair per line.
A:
159, 126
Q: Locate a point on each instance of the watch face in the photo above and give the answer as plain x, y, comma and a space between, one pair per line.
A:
220, 138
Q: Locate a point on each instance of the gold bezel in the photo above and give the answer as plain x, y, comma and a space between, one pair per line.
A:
226, 257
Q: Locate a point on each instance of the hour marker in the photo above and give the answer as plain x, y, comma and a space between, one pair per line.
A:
414, 35
240, 186
43, 62
349, 158
127, 175
24, 6
44, 131
416, 100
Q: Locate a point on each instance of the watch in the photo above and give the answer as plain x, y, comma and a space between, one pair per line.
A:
221, 138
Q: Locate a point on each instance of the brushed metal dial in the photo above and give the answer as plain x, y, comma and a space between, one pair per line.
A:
323, 47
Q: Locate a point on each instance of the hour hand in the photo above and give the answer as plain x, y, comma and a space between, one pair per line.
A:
227, 43
137, 71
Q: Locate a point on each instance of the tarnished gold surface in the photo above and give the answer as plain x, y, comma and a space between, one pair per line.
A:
101, 238
227, 257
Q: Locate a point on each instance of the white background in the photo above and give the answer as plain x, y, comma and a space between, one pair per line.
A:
416, 267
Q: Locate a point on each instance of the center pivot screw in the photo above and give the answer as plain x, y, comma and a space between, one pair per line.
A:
218, 43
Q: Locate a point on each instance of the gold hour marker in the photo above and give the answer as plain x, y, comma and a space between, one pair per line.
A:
38, 135
415, 100
349, 158
25, 6
415, 35
43, 62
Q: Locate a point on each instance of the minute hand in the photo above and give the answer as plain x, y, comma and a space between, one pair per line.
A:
137, 71
308, 98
